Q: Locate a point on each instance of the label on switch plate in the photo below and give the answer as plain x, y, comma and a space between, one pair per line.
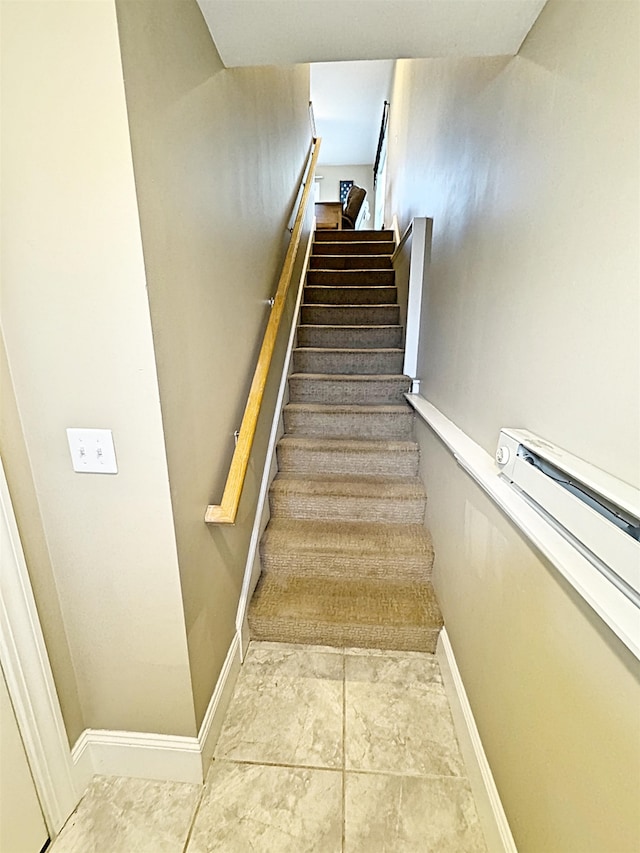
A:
92, 451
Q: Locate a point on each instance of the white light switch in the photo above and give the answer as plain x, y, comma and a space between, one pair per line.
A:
92, 451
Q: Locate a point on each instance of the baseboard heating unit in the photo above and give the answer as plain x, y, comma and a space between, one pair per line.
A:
598, 513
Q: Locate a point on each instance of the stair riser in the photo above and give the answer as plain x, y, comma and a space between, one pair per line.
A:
374, 392
350, 315
360, 295
358, 337
340, 636
346, 508
349, 425
377, 247
389, 463
351, 278
350, 262
337, 565
352, 236
347, 362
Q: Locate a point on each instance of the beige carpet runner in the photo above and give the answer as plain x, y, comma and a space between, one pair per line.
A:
346, 559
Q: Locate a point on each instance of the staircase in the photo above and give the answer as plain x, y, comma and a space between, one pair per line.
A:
346, 559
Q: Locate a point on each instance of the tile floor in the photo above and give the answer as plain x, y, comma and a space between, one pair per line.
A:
323, 750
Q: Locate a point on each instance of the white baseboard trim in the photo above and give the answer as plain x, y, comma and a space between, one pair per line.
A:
145, 755
219, 702
494, 822
141, 754
245, 637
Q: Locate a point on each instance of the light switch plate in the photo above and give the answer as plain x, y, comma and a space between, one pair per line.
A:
92, 451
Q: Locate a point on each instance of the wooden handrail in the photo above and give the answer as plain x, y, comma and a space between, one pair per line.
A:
226, 511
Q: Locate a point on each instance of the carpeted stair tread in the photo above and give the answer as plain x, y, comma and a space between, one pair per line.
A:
363, 315
348, 485
346, 420
348, 361
325, 549
346, 388
354, 247
351, 277
343, 336
401, 615
358, 295
383, 499
350, 261
347, 456
322, 539
355, 236
352, 377
358, 549
350, 409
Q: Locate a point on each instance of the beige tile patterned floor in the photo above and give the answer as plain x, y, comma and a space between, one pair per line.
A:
323, 750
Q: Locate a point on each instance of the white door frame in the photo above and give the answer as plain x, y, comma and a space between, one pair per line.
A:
28, 674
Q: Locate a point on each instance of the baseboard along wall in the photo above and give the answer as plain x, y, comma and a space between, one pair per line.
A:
147, 755
494, 822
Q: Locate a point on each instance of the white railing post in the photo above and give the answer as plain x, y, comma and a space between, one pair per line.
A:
418, 282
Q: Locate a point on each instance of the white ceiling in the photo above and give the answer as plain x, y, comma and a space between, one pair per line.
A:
347, 102
285, 32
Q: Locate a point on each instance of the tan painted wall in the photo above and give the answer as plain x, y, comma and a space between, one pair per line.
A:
78, 337
555, 695
218, 156
529, 167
